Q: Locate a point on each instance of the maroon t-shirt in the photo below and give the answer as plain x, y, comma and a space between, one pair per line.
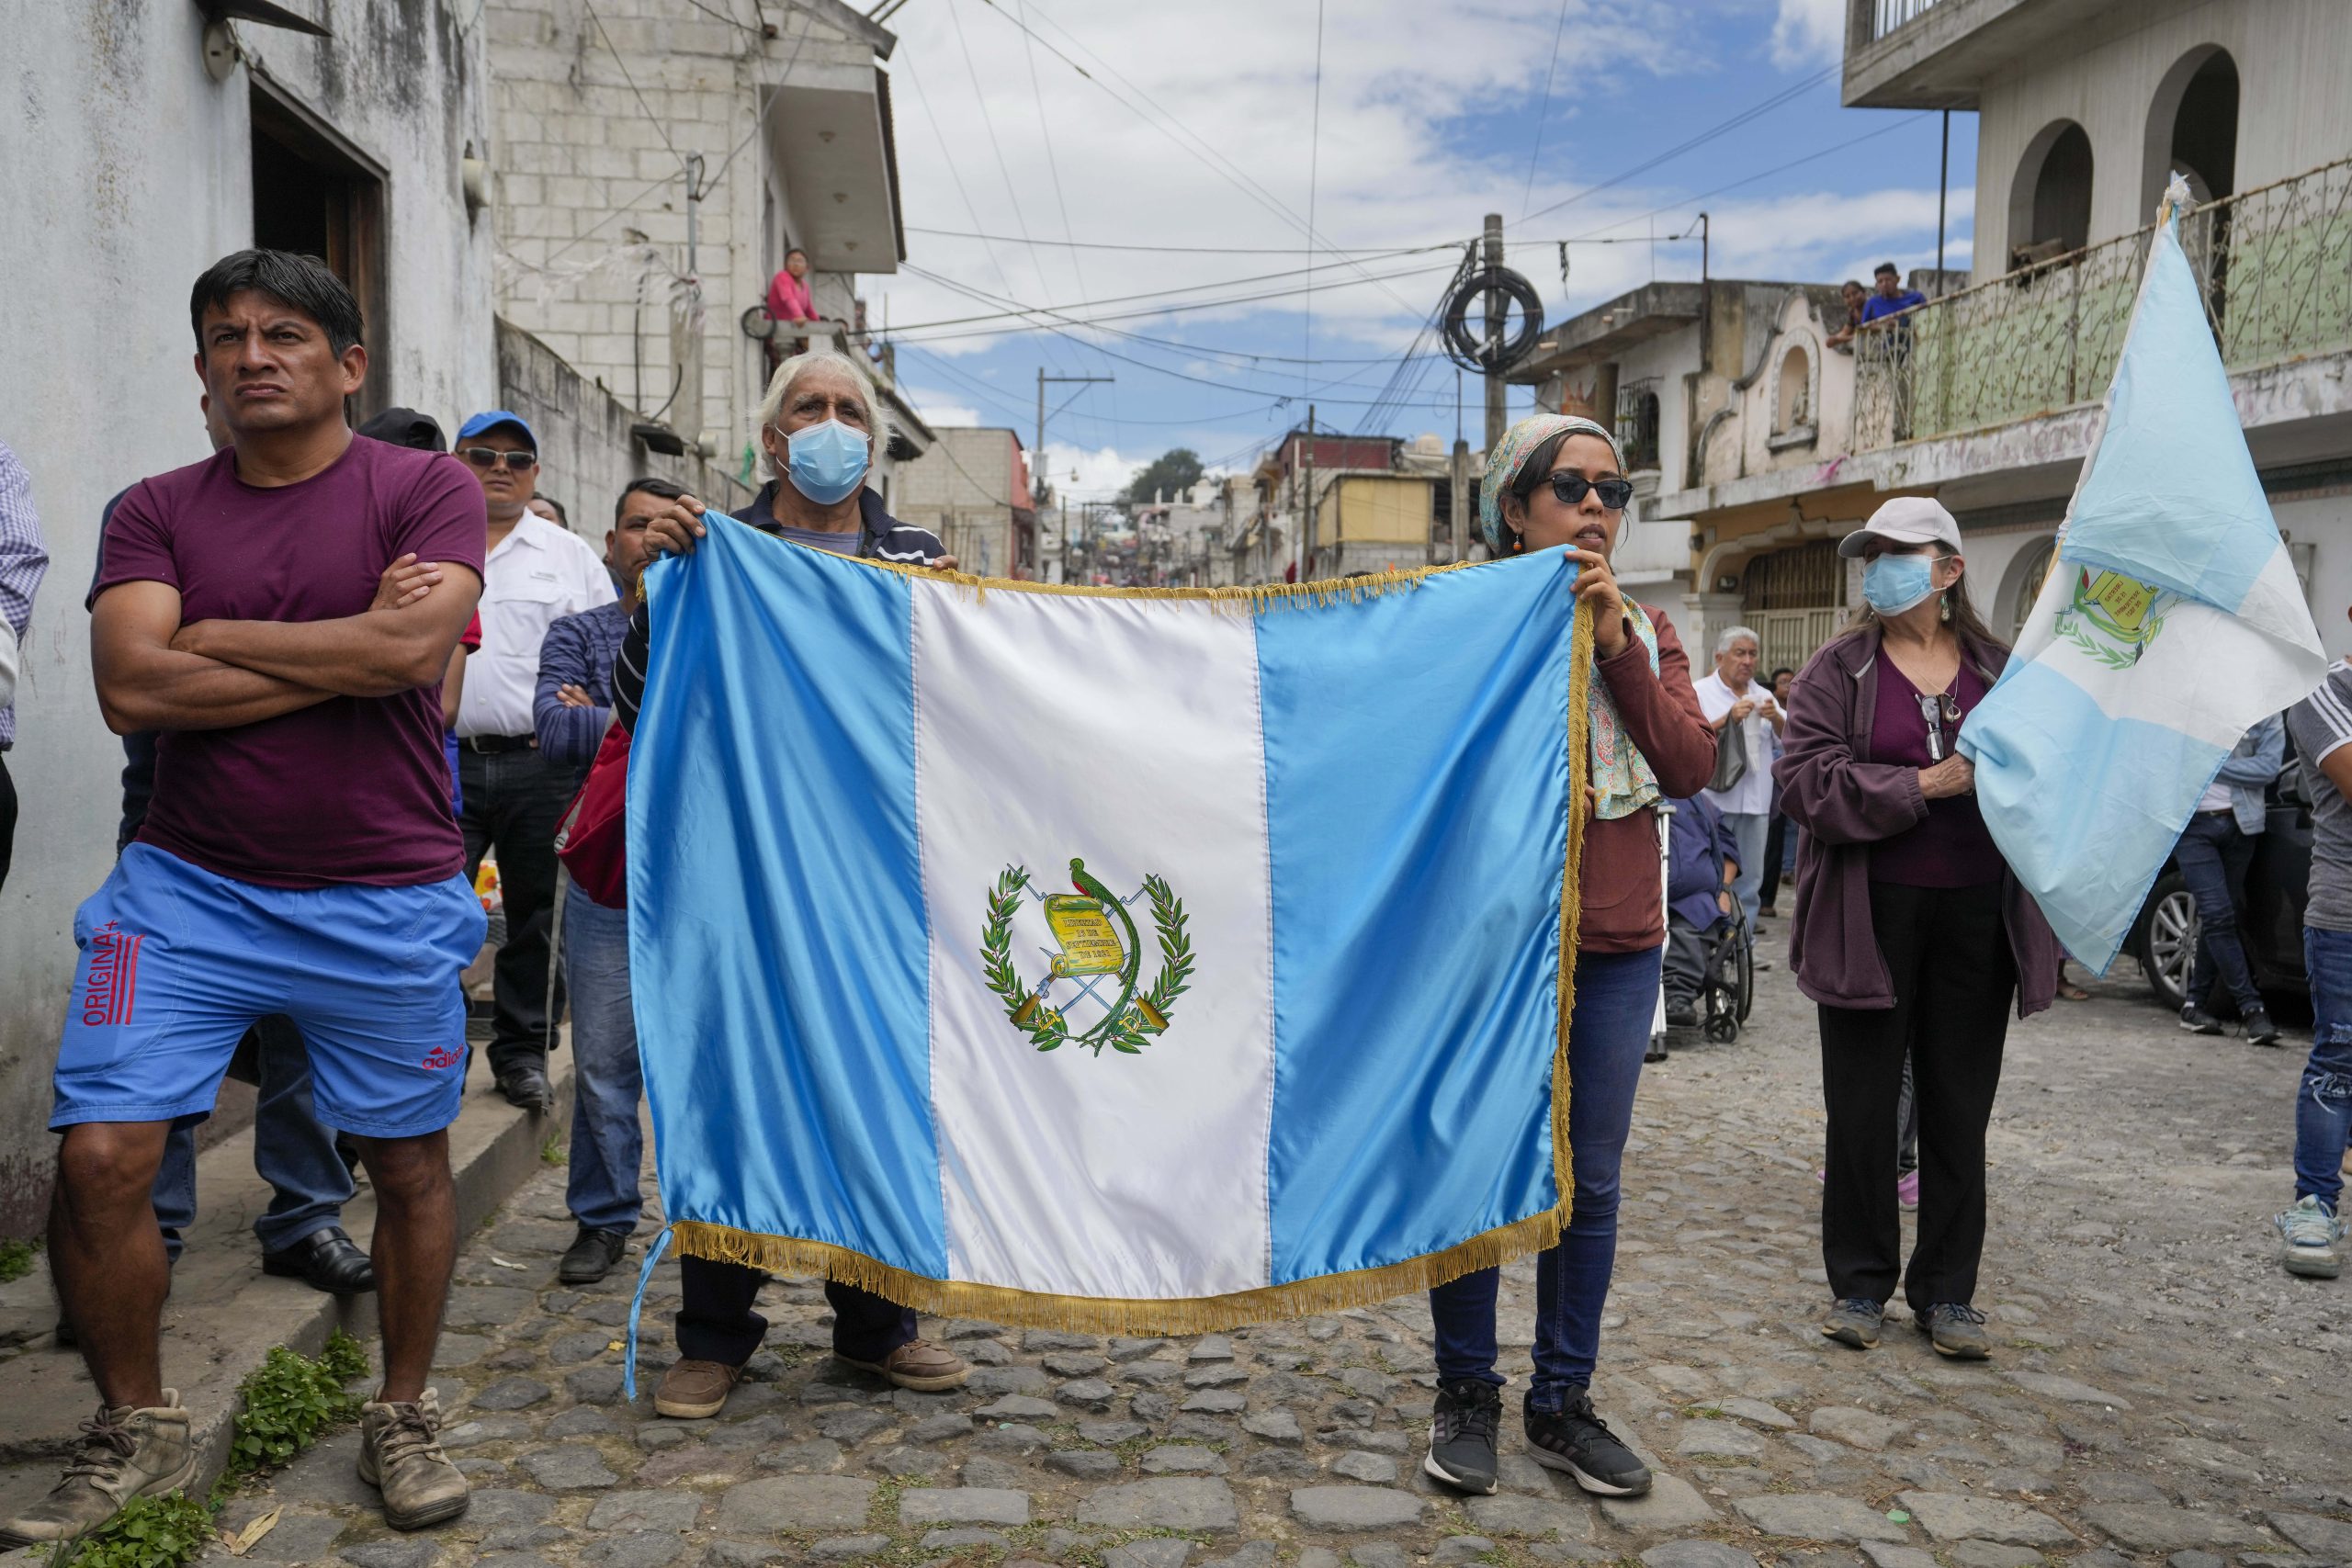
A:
354, 789
1953, 848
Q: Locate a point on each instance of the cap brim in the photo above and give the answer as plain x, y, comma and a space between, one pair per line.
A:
1855, 543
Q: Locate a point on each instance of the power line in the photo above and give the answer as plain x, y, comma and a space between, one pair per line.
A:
1544, 113
1373, 252
1149, 294
914, 79
1313, 167
661, 128
1152, 309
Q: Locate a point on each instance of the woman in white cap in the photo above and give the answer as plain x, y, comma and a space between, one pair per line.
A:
1908, 931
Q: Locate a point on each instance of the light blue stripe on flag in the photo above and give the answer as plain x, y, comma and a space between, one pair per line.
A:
780, 770
1416, 799
2105, 798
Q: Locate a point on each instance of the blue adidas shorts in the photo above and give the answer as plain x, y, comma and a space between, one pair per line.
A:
177, 963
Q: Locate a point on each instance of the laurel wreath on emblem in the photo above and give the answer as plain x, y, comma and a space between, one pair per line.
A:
1133, 1020
2104, 640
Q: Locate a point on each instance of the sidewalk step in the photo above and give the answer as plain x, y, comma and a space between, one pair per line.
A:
224, 1314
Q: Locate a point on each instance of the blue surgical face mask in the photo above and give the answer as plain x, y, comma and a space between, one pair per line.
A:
1894, 583
827, 461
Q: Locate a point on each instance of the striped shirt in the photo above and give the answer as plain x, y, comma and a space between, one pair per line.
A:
879, 537
2322, 723
23, 559
578, 650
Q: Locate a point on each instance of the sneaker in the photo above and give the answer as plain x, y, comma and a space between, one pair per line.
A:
918, 1364
1579, 1442
1955, 1329
2197, 1021
592, 1254
1855, 1322
695, 1390
2307, 1236
1462, 1435
2259, 1030
1906, 1190
125, 1452
400, 1455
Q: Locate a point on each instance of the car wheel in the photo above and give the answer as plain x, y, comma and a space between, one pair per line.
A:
2170, 947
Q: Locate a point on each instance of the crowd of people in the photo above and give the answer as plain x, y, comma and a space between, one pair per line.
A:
349, 665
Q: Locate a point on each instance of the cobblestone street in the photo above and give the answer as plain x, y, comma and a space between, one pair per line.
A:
2160, 1389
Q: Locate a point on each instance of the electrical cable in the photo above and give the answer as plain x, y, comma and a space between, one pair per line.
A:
659, 127
1374, 252
1544, 113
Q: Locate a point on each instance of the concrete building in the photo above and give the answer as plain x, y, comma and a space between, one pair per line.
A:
973, 488
653, 161
149, 142
1987, 398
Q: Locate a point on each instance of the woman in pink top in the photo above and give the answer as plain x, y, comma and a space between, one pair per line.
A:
788, 290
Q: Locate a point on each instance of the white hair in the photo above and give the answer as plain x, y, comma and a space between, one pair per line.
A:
1729, 635
780, 388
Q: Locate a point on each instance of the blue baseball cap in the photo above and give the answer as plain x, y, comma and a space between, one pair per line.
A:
483, 423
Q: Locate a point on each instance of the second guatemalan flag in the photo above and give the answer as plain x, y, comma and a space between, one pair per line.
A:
1141, 962
2171, 622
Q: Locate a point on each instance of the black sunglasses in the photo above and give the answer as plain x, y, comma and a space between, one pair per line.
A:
1570, 489
491, 457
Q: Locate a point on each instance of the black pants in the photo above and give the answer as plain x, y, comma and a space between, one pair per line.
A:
1948, 952
2214, 858
716, 1322
8, 817
1776, 858
513, 801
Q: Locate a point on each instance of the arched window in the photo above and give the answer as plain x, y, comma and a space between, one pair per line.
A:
1792, 402
2050, 202
2193, 127
2027, 585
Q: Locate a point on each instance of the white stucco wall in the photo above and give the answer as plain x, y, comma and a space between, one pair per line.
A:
128, 172
2293, 58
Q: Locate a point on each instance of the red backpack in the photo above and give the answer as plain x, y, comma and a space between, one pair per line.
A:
591, 840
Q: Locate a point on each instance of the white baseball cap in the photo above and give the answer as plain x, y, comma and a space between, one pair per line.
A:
1905, 520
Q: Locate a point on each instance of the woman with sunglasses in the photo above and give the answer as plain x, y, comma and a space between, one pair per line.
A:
1555, 481
1909, 931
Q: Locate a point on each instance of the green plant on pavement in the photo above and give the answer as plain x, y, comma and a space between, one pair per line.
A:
551, 1152
150, 1533
289, 1399
17, 1259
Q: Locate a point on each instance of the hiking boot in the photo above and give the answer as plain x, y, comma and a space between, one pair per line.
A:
2197, 1021
2307, 1236
918, 1364
592, 1254
125, 1452
1955, 1329
695, 1390
2259, 1030
1462, 1435
400, 1454
1579, 1442
1854, 1321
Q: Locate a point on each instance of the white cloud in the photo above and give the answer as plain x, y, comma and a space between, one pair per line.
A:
1808, 32
941, 410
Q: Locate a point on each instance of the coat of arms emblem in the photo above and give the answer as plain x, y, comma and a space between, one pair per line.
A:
1097, 949
2112, 617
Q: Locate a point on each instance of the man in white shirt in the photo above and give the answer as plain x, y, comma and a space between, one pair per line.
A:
1731, 696
537, 572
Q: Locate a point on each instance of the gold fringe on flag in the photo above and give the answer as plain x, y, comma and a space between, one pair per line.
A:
1300, 1298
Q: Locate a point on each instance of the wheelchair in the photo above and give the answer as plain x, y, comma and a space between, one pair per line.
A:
1728, 989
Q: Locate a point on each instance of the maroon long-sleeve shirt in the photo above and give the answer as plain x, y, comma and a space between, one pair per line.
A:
1623, 893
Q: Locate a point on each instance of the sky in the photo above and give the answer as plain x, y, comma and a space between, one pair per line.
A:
1204, 138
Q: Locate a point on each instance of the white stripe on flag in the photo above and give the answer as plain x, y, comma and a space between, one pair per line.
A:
1125, 734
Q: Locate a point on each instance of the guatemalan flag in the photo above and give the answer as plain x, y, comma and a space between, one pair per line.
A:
2171, 622
1137, 962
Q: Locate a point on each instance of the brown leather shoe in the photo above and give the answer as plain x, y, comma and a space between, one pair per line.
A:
919, 1365
125, 1452
696, 1391
401, 1456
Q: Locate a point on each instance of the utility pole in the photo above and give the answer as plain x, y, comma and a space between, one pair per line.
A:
1042, 379
1496, 312
1306, 507
1943, 187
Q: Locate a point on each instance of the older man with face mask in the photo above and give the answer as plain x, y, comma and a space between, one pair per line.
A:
1731, 696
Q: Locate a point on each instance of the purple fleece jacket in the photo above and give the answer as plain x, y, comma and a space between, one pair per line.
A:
1845, 804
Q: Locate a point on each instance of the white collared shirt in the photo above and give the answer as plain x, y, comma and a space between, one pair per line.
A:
1752, 796
538, 573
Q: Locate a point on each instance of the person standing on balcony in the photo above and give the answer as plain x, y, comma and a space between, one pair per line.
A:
790, 305
1855, 295
1891, 299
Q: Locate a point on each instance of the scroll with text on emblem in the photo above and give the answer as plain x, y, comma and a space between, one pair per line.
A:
1103, 991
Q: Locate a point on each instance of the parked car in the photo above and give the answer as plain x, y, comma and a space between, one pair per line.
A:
2163, 939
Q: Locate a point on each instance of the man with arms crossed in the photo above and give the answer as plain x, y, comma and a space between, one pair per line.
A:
300, 858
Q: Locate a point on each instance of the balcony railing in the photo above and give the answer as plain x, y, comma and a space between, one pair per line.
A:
2274, 266
1888, 15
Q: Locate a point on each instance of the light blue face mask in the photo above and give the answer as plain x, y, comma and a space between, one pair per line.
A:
1894, 583
827, 462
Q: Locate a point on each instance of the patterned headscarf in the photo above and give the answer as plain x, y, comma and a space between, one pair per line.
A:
1621, 780
1510, 455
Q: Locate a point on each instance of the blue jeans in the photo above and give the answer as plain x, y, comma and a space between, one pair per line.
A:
2323, 1100
608, 1143
1750, 829
2213, 856
308, 1181
1616, 996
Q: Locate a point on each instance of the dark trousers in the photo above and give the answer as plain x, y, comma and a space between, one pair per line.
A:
1780, 853
513, 801
716, 1322
1947, 951
8, 817
2214, 857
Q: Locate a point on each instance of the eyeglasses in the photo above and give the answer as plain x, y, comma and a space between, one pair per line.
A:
491, 457
1570, 488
